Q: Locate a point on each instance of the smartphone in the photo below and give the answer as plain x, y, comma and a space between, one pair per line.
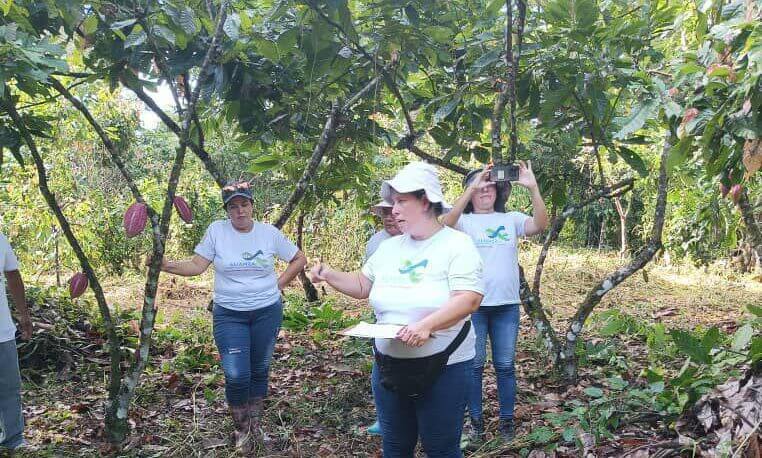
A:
504, 172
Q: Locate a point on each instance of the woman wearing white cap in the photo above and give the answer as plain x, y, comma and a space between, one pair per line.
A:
480, 213
428, 280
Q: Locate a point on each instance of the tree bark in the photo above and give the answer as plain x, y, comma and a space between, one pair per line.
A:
753, 227
116, 415
309, 289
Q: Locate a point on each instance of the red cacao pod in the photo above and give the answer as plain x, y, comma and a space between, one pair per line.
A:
735, 192
724, 189
77, 285
135, 219
183, 209
689, 115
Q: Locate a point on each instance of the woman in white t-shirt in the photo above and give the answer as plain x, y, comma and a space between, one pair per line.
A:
247, 310
480, 213
428, 280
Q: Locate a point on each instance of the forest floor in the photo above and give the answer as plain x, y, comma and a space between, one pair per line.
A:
320, 399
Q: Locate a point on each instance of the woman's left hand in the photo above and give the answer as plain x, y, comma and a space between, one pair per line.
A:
526, 175
414, 334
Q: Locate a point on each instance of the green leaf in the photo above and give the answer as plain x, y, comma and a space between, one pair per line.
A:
439, 34
7, 7
447, 108
136, 38
755, 310
633, 159
569, 434
637, 118
122, 24
267, 49
755, 351
593, 392
263, 163
541, 435
690, 68
679, 153
488, 58
184, 18
166, 33
689, 345
90, 24
742, 337
711, 338
232, 26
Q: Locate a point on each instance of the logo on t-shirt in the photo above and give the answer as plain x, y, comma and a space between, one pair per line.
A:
253, 260
410, 269
497, 233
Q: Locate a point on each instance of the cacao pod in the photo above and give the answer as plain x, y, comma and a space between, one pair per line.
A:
724, 190
689, 115
135, 219
183, 209
77, 285
735, 192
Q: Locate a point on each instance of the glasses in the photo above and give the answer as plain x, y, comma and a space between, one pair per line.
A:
236, 187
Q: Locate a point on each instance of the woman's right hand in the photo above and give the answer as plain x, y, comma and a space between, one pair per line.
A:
481, 179
317, 272
149, 259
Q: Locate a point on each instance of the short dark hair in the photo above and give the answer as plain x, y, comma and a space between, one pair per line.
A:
436, 207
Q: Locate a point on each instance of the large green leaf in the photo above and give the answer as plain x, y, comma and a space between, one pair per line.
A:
690, 345
742, 337
637, 118
445, 110
264, 163
632, 159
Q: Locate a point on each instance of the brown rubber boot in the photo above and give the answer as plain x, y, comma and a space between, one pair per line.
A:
242, 425
256, 410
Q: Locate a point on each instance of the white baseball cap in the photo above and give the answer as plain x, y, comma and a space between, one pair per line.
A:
413, 177
378, 208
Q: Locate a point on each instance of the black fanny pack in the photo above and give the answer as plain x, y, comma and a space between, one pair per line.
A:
414, 376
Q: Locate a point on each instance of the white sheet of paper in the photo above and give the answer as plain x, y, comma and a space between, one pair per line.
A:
368, 330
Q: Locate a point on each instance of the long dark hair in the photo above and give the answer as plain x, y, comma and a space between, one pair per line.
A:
503, 193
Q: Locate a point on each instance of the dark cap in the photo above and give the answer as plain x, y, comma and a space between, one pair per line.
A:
236, 189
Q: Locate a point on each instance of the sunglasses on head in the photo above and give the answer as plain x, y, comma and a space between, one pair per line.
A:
237, 186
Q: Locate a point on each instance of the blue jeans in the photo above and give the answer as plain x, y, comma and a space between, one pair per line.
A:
246, 341
501, 323
437, 416
11, 419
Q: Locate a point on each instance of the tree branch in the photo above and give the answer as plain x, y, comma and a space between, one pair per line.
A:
327, 138
558, 224
116, 156
197, 149
409, 141
534, 309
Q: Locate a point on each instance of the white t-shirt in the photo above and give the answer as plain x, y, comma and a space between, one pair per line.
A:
413, 278
244, 263
8, 262
496, 237
375, 241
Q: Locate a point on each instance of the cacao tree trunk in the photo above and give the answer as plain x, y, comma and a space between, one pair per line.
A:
309, 289
567, 359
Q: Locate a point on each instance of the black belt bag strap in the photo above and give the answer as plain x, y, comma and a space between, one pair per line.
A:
414, 376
